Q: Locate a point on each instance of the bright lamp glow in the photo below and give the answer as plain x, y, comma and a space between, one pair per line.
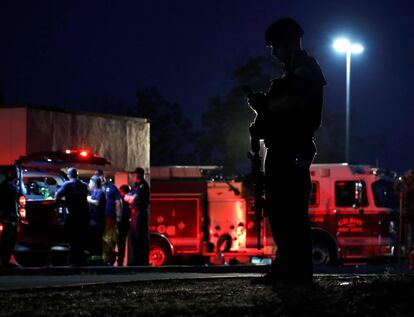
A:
357, 48
342, 45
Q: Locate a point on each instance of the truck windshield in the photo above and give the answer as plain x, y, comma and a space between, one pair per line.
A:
384, 194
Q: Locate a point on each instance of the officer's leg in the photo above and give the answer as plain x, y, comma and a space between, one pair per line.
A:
142, 242
122, 235
300, 239
278, 188
134, 237
278, 227
79, 241
95, 245
69, 233
109, 241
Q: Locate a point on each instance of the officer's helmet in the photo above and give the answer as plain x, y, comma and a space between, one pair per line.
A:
282, 31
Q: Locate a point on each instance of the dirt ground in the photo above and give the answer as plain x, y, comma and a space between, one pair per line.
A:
339, 296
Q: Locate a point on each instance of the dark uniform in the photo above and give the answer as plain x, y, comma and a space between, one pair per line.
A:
77, 224
96, 225
140, 222
9, 219
111, 230
291, 148
123, 229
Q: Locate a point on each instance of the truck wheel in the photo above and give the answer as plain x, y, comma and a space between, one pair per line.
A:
226, 240
321, 254
160, 253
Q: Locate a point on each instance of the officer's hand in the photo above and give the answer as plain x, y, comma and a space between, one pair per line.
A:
257, 100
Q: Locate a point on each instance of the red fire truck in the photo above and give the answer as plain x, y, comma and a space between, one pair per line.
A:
353, 210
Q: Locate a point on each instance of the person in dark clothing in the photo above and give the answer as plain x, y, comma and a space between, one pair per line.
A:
139, 201
123, 225
75, 193
96, 201
293, 107
9, 216
113, 211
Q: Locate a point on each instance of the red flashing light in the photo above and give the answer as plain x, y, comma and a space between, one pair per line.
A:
84, 153
69, 151
22, 201
22, 213
1, 227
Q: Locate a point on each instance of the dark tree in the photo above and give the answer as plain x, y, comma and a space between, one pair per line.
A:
172, 134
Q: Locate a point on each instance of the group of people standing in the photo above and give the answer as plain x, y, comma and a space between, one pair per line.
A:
101, 216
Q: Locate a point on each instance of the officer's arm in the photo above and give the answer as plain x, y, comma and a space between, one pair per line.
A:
93, 201
129, 198
289, 103
118, 209
60, 193
300, 87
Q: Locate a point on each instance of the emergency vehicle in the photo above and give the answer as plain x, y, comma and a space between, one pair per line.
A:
353, 211
41, 238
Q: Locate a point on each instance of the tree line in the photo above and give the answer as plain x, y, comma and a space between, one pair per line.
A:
223, 138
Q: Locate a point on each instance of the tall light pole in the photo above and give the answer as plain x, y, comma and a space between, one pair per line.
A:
343, 45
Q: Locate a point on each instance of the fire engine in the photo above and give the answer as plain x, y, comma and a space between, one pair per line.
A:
353, 211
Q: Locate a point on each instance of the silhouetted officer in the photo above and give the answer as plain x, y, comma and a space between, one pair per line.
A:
139, 200
293, 107
97, 202
124, 225
9, 216
113, 212
75, 193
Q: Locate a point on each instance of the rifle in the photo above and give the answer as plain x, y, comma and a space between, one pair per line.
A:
259, 200
258, 176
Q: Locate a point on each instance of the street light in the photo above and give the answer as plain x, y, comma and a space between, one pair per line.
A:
343, 45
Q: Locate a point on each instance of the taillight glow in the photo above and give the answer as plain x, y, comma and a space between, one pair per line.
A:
22, 213
22, 201
1, 227
69, 151
84, 153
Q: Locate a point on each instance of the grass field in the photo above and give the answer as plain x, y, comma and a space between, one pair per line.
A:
363, 296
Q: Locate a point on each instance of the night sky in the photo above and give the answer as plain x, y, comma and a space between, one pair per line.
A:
74, 53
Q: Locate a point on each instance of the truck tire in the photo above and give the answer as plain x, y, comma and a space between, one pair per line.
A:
160, 252
226, 240
322, 254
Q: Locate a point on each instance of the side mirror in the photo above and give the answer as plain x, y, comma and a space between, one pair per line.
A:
359, 188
